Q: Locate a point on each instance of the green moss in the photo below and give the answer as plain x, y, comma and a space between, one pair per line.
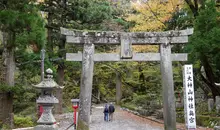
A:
167, 128
180, 117
179, 109
82, 125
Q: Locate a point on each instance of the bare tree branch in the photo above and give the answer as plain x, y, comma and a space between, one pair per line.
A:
192, 7
196, 4
154, 14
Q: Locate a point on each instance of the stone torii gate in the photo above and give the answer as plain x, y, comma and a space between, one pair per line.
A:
126, 40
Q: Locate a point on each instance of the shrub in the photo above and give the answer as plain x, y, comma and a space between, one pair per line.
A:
129, 106
202, 107
201, 120
21, 121
180, 117
207, 121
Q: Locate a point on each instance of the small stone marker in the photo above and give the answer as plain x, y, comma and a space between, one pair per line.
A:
217, 128
217, 103
210, 104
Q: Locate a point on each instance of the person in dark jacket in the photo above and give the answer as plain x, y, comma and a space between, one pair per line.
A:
106, 113
111, 110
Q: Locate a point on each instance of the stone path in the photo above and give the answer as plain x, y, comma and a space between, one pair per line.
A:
122, 120
64, 121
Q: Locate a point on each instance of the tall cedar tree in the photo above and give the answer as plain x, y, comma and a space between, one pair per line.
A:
22, 27
204, 45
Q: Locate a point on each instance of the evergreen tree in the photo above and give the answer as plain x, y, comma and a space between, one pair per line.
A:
22, 27
204, 45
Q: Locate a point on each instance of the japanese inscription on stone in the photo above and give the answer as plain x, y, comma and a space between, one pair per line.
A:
189, 100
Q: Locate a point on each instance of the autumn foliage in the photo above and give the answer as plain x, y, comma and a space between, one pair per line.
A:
151, 15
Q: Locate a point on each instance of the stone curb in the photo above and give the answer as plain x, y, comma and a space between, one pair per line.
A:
27, 128
217, 128
136, 113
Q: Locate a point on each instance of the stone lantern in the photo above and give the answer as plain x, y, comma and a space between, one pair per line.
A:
47, 100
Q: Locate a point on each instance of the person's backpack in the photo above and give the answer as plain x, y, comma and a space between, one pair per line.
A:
106, 110
111, 109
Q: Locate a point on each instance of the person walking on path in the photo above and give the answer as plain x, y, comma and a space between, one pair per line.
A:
111, 109
106, 113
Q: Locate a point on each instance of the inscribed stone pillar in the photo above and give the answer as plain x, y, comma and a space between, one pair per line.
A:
169, 110
118, 88
86, 87
210, 104
217, 104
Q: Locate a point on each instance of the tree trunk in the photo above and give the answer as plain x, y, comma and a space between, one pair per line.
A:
6, 108
193, 6
203, 86
59, 91
98, 97
60, 78
10, 60
49, 34
210, 80
7, 104
118, 88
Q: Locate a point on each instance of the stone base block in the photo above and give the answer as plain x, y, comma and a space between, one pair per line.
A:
217, 128
46, 127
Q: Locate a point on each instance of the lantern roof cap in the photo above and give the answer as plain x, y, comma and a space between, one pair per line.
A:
48, 82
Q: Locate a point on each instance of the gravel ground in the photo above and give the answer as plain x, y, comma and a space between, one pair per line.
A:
123, 120
64, 121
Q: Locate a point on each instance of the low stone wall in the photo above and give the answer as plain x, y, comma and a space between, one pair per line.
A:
147, 114
205, 121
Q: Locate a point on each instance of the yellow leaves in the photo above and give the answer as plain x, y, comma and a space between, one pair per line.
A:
151, 15
145, 48
40, 1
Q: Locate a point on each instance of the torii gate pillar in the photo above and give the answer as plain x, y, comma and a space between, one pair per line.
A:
86, 86
169, 109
